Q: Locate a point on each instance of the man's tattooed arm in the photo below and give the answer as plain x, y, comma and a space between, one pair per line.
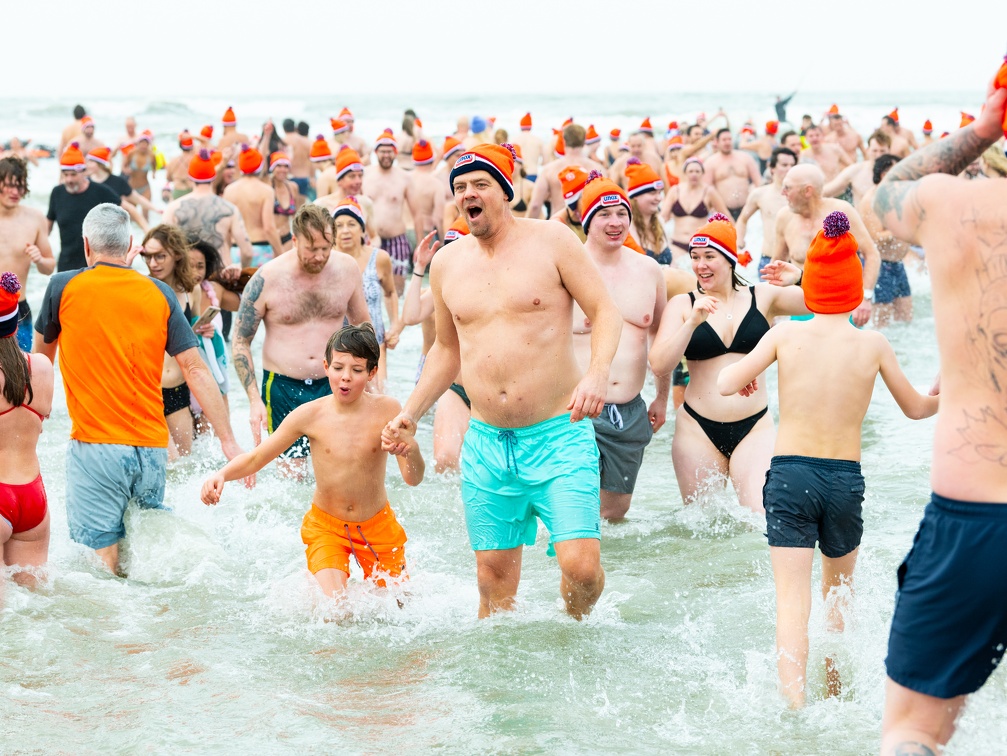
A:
897, 202
246, 324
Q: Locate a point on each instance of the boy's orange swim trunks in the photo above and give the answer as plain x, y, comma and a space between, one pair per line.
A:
379, 542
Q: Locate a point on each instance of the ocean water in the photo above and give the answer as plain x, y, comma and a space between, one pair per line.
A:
218, 642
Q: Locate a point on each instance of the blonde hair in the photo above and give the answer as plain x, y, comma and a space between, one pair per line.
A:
651, 231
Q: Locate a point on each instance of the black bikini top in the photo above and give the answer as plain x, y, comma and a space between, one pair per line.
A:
705, 344
699, 211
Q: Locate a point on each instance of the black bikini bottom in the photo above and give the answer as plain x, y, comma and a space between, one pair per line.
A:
726, 436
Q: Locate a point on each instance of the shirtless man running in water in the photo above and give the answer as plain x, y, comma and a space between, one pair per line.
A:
733, 173
503, 299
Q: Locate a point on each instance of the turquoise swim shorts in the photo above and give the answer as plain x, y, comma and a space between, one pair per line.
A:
510, 476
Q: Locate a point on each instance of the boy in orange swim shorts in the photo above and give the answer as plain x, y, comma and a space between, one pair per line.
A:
350, 514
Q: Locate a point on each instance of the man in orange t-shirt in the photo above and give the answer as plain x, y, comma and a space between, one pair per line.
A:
112, 326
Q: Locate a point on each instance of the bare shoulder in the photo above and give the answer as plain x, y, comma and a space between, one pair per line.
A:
41, 366
385, 406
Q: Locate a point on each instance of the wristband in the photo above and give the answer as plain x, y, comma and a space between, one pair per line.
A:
869, 294
800, 278
419, 273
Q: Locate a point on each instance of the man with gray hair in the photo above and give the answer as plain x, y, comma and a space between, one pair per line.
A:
112, 326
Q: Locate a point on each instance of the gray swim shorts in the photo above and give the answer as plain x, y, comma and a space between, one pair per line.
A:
622, 432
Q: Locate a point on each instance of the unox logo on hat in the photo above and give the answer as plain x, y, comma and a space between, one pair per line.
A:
465, 159
610, 199
700, 241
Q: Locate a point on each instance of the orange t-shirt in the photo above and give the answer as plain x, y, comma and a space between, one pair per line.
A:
113, 325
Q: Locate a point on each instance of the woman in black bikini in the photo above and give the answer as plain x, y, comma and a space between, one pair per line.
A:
715, 436
700, 199
522, 187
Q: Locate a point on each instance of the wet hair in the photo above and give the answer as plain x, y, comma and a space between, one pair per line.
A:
359, 341
881, 138
774, 158
574, 135
688, 130
175, 243
289, 126
211, 255
724, 130
16, 373
890, 121
79, 112
312, 217
14, 170
882, 165
302, 128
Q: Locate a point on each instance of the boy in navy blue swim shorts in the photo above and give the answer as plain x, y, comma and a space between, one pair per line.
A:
814, 489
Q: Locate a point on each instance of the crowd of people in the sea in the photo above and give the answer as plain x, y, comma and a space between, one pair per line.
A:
549, 277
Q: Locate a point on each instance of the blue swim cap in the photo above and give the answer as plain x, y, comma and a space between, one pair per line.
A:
478, 124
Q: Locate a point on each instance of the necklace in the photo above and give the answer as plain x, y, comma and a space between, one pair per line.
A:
730, 307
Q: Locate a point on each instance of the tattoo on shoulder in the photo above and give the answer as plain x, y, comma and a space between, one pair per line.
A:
912, 748
253, 289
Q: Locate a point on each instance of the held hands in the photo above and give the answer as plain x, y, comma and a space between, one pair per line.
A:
398, 437
425, 251
392, 336
231, 272
213, 487
588, 398
781, 273
701, 310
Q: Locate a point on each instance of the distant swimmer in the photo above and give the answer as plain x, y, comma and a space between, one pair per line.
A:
830, 157
731, 172
892, 295
720, 437
814, 490
806, 209
389, 188
350, 515
781, 106
640, 149
531, 146
426, 196
287, 199
25, 402
301, 297
177, 168
255, 201
302, 170
854, 181
949, 628
844, 135
73, 131
203, 215
503, 297
627, 423
903, 141
767, 200
24, 240
112, 326
231, 136
548, 187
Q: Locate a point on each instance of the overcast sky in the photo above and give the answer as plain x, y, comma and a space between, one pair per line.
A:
132, 48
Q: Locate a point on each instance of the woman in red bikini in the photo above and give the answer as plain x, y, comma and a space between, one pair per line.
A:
25, 401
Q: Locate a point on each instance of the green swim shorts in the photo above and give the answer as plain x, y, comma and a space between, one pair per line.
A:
510, 476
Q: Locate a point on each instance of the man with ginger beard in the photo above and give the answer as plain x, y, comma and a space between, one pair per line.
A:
503, 303
637, 286
731, 172
389, 187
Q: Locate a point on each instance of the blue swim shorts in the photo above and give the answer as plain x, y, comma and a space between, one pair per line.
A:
305, 188
101, 481
893, 283
512, 475
949, 628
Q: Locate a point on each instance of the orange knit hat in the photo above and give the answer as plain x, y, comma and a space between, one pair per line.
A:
217, 157
278, 158
72, 158
526, 122
600, 192
614, 134
457, 230
185, 140
894, 115
349, 206
967, 118
10, 292
87, 121
572, 178
346, 115
927, 127
676, 142
560, 146
772, 127
673, 128
641, 178
719, 234
206, 132
347, 161
833, 279
518, 157
645, 127
320, 151
591, 137
386, 139
495, 159
338, 126
201, 169
229, 118
834, 110
423, 153
101, 155
451, 146
250, 160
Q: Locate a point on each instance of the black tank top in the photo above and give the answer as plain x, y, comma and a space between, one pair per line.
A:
705, 344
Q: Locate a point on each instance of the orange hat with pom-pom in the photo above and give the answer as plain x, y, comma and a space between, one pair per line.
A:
278, 158
591, 136
229, 118
101, 155
560, 147
457, 230
320, 150
572, 179
772, 127
10, 292
641, 178
526, 122
833, 278
614, 134
423, 153
201, 168
927, 127
347, 161
451, 146
72, 158
967, 118
206, 132
600, 192
339, 126
349, 206
645, 127
250, 160
719, 234
386, 139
